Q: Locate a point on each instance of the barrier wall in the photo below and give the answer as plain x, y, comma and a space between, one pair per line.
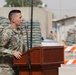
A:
69, 55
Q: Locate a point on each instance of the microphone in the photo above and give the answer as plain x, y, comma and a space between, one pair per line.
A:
26, 27
28, 51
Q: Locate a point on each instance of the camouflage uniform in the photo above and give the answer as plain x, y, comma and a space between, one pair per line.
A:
71, 39
11, 41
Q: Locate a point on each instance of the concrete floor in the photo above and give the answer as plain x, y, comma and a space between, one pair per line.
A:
67, 70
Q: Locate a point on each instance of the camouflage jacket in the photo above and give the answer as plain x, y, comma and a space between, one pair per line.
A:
71, 39
11, 41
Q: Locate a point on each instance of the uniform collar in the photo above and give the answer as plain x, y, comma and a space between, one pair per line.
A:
15, 30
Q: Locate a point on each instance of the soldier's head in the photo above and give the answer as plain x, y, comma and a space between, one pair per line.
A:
15, 17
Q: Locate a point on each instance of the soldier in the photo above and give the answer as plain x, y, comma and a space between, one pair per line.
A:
71, 38
11, 43
51, 36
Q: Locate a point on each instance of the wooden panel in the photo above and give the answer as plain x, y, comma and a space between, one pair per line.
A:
53, 55
35, 57
51, 72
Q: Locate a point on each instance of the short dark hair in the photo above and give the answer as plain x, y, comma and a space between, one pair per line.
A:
13, 12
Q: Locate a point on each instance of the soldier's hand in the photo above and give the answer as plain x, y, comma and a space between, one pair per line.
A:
17, 54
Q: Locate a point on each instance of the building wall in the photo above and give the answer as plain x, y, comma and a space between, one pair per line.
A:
49, 19
40, 14
69, 24
64, 28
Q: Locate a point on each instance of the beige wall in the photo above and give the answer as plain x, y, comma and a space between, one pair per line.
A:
41, 14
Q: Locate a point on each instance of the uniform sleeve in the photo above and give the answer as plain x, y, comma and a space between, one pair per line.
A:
4, 42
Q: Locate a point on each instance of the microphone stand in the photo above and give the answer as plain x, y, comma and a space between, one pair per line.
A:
28, 51
31, 23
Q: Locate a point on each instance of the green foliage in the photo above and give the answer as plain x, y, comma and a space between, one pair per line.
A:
20, 3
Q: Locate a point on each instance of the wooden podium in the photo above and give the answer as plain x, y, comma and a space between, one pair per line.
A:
44, 61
